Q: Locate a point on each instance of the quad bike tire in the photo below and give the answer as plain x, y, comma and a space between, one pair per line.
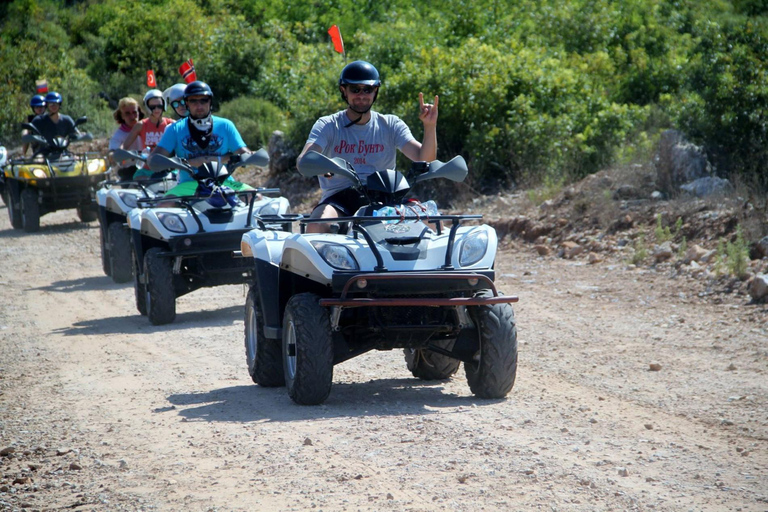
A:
119, 252
105, 265
493, 372
139, 289
161, 298
307, 350
262, 354
14, 207
30, 210
425, 364
87, 213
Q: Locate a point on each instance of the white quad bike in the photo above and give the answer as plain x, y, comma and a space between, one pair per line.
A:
115, 199
184, 243
390, 282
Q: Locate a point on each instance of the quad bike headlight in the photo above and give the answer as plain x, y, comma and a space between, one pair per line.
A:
39, 173
272, 208
128, 198
94, 166
473, 248
172, 222
336, 255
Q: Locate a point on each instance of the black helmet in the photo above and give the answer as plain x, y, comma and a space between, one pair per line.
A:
359, 72
198, 88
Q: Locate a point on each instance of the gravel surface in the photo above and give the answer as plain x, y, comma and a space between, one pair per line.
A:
633, 393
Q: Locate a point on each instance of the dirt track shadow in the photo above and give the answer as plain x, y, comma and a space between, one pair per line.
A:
138, 324
84, 284
50, 229
385, 397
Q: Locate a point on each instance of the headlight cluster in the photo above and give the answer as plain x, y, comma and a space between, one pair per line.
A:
272, 208
94, 166
172, 222
128, 198
336, 255
39, 173
473, 248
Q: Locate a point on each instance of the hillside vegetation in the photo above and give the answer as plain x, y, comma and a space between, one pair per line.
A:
530, 90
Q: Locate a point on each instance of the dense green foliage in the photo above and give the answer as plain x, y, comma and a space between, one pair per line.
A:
530, 90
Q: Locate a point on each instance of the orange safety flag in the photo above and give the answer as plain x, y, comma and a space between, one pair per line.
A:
151, 82
338, 43
187, 71
41, 86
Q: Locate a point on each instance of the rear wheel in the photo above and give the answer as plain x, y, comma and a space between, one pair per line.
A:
307, 350
87, 213
428, 365
161, 298
493, 371
14, 207
262, 354
119, 252
30, 210
139, 290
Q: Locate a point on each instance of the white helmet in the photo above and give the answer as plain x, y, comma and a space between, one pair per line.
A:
153, 93
174, 93
3, 156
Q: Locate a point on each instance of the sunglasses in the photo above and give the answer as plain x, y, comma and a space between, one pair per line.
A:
361, 90
131, 113
200, 101
156, 107
177, 103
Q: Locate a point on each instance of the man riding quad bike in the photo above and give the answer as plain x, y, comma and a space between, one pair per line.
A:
54, 178
390, 276
185, 242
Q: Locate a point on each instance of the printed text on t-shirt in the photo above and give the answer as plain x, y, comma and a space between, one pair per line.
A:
360, 148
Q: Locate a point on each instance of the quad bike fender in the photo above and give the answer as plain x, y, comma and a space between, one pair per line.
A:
264, 245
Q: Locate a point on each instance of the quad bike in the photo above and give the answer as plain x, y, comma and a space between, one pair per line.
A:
184, 243
390, 282
53, 179
115, 199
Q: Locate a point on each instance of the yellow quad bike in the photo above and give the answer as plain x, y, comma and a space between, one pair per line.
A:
53, 179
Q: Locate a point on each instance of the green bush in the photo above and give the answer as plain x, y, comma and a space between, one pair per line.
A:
254, 118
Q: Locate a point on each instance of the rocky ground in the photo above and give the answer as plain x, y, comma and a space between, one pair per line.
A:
642, 381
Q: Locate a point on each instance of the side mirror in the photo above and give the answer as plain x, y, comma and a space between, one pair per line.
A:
258, 158
29, 138
455, 170
81, 120
32, 128
314, 164
163, 162
120, 155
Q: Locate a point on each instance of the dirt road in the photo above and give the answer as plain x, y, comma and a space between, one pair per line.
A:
99, 410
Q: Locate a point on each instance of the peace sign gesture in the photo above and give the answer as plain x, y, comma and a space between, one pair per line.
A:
427, 111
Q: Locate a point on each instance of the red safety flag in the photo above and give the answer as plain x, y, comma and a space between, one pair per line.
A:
151, 82
42, 86
338, 43
187, 71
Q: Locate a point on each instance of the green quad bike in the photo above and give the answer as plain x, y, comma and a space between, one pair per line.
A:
53, 179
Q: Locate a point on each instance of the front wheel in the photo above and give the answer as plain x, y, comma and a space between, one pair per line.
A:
119, 252
87, 213
492, 372
307, 350
30, 210
262, 354
105, 265
139, 289
161, 297
425, 364
14, 207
